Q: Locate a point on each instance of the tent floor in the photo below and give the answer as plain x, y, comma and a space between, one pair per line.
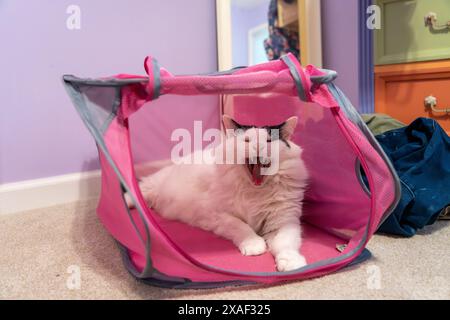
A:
212, 250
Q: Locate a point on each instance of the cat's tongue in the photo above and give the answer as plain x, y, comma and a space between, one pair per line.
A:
256, 174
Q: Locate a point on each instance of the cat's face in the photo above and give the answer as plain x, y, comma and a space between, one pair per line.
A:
259, 149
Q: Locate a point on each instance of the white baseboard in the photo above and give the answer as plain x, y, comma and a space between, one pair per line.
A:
47, 192
41, 193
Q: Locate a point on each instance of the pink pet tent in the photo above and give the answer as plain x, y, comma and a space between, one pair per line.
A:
353, 186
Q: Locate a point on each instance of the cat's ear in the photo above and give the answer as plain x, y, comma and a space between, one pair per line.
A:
229, 123
288, 128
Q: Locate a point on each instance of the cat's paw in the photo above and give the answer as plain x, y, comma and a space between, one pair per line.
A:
253, 246
289, 260
128, 200
130, 203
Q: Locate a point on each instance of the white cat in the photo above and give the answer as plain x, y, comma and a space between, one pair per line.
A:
235, 201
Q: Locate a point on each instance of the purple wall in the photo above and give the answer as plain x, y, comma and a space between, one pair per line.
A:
40, 133
340, 43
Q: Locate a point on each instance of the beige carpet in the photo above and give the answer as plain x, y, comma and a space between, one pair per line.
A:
38, 247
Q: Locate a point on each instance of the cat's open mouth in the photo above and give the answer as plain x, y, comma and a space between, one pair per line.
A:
255, 167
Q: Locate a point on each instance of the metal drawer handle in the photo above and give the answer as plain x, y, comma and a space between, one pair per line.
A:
431, 102
431, 21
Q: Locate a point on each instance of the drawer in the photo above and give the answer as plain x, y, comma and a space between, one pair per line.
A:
400, 91
404, 37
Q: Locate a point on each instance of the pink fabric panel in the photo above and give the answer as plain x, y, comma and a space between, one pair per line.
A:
152, 126
261, 81
335, 200
382, 188
134, 96
262, 109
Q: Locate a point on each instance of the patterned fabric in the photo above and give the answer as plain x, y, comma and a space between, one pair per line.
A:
281, 41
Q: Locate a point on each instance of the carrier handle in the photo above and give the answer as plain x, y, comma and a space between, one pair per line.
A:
152, 68
302, 83
305, 84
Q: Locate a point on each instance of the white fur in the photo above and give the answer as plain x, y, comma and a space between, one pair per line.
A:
222, 198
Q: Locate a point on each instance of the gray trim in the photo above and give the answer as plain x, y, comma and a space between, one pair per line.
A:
163, 281
159, 279
196, 285
126, 258
225, 72
329, 76
122, 194
155, 275
156, 79
353, 115
358, 169
111, 82
296, 77
365, 255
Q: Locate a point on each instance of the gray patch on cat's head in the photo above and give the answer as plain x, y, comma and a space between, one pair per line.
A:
275, 132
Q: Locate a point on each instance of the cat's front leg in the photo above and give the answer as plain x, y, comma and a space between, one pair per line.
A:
284, 243
148, 193
241, 234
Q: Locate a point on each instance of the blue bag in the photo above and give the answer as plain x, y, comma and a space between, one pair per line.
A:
420, 153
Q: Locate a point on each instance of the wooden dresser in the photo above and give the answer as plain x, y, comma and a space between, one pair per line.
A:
412, 60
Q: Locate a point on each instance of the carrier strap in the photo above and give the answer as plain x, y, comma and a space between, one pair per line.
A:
151, 66
300, 79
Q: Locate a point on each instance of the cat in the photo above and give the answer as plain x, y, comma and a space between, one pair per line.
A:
236, 201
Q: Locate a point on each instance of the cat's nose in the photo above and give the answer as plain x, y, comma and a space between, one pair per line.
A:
247, 139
